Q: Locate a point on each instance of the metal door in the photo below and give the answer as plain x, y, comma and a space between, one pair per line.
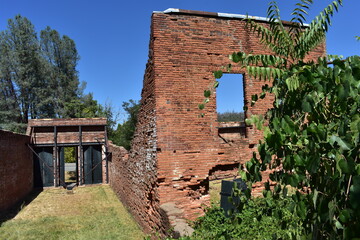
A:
43, 167
92, 164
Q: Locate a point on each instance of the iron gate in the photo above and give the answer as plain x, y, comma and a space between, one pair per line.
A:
43, 167
92, 164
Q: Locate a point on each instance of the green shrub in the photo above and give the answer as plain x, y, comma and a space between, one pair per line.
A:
261, 218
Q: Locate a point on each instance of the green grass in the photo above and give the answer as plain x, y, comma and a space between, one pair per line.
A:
88, 213
214, 191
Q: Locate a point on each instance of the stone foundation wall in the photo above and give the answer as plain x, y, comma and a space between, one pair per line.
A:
134, 183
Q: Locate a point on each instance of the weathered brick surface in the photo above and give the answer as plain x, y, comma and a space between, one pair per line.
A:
16, 168
187, 49
175, 152
42, 130
135, 184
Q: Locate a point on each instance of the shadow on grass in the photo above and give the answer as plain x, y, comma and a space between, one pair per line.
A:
16, 208
70, 177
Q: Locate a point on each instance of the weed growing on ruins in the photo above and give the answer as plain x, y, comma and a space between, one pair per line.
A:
261, 218
312, 140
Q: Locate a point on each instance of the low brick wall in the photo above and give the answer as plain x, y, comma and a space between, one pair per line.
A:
16, 168
134, 184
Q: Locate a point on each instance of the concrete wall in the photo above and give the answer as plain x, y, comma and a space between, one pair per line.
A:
16, 168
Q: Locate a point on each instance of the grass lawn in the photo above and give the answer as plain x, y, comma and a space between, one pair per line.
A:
91, 212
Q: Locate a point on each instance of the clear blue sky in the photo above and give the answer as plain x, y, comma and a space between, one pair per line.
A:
112, 36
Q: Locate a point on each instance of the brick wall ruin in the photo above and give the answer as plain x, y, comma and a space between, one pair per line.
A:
175, 153
134, 184
188, 47
16, 168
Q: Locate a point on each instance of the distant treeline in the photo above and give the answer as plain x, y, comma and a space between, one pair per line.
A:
231, 117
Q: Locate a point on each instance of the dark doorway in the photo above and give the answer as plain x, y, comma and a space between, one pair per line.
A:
68, 165
43, 167
92, 164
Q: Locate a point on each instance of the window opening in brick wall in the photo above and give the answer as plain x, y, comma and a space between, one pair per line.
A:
230, 98
230, 107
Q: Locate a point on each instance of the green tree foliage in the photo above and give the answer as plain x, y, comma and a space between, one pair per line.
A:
20, 70
312, 140
83, 107
313, 137
70, 154
61, 59
125, 132
231, 117
37, 76
87, 107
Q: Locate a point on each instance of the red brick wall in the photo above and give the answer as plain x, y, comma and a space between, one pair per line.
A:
175, 152
134, 183
187, 49
16, 168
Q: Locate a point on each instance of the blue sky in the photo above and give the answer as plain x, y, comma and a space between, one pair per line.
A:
112, 36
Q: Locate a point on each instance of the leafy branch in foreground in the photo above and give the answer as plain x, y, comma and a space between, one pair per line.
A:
312, 140
312, 145
290, 44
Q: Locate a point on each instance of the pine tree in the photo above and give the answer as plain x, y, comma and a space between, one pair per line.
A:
37, 77
61, 59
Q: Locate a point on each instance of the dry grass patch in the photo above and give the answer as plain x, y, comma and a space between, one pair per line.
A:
70, 176
214, 191
88, 213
